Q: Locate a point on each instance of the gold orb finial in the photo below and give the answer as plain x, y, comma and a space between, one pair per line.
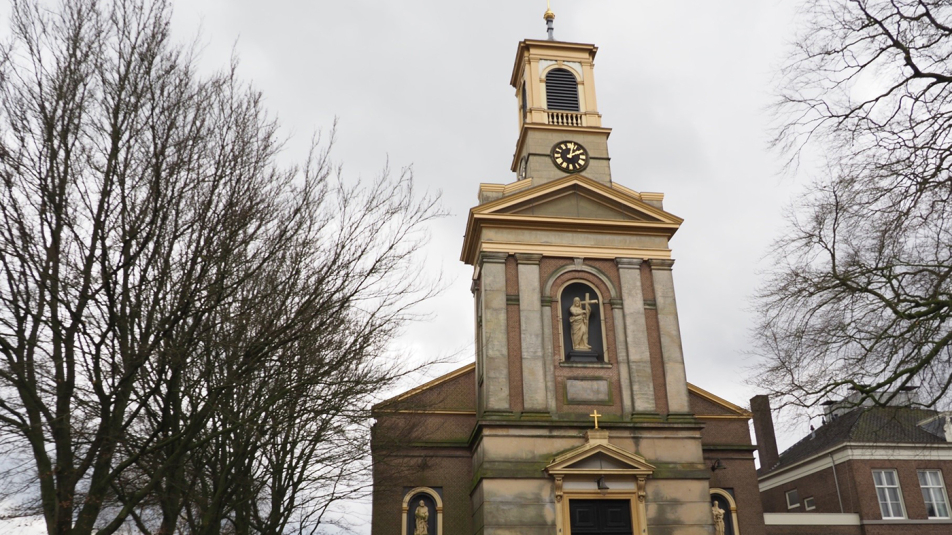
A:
549, 14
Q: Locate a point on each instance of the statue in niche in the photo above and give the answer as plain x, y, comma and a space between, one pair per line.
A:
718, 519
422, 516
581, 323
579, 312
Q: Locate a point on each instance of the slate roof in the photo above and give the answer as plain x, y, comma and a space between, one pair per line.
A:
889, 425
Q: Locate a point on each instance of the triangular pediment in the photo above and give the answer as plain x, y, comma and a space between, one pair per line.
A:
570, 205
577, 197
597, 456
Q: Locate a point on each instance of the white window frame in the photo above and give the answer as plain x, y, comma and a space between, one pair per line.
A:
787, 496
934, 491
885, 488
811, 505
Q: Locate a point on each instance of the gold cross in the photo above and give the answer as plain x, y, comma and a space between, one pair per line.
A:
595, 415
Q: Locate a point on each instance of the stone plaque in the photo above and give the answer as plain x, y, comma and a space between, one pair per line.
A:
587, 391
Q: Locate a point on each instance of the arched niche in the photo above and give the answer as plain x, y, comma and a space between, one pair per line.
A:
434, 506
726, 502
578, 266
581, 322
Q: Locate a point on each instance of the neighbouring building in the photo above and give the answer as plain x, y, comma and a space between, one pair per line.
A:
867, 470
576, 417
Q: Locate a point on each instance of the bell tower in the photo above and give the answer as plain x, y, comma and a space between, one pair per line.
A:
575, 416
576, 316
555, 91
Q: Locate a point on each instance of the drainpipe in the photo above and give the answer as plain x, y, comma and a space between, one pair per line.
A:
836, 482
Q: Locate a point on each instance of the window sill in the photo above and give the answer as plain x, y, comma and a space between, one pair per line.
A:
567, 364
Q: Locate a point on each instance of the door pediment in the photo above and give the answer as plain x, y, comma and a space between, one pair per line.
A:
598, 457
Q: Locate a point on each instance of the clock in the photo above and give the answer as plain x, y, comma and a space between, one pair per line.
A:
521, 172
569, 156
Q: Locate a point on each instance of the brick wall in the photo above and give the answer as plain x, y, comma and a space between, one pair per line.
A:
859, 496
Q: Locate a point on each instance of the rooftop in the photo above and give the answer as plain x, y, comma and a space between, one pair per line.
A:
884, 425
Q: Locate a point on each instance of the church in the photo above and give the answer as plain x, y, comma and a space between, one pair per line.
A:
576, 417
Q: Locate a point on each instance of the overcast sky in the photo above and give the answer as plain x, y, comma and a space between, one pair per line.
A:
685, 86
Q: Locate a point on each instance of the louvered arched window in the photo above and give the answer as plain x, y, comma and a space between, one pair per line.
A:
561, 90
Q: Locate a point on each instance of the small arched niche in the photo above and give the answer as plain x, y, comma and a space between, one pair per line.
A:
580, 319
725, 502
422, 512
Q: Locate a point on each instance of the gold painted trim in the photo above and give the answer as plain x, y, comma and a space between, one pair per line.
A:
641, 195
719, 400
486, 215
639, 521
583, 51
576, 223
428, 385
572, 251
633, 201
428, 411
505, 189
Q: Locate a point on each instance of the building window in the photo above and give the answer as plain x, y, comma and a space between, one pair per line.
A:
809, 504
933, 493
887, 490
793, 499
561, 90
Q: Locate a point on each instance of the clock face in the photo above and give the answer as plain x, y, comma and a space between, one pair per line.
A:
521, 173
569, 156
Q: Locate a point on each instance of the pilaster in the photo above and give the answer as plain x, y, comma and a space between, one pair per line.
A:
636, 335
674, 374
621, 350
547, 354
530, 322
494, 330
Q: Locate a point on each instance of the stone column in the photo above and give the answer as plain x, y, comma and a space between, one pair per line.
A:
530, 322
675, 378
636, 335
494, 331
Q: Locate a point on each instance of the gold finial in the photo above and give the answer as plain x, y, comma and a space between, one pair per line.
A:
595, 415
549, 15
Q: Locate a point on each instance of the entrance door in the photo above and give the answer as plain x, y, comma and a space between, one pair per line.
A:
600, 517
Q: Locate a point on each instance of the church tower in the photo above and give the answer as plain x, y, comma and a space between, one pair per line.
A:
576, 416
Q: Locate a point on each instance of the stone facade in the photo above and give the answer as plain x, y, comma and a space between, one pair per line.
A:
512, 451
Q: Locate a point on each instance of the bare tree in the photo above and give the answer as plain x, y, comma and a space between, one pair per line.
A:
190, 332
860, 299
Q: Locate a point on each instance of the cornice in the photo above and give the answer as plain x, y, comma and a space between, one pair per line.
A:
487, 216
527, 44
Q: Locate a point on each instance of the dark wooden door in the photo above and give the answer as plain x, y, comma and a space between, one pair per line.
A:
601, 517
